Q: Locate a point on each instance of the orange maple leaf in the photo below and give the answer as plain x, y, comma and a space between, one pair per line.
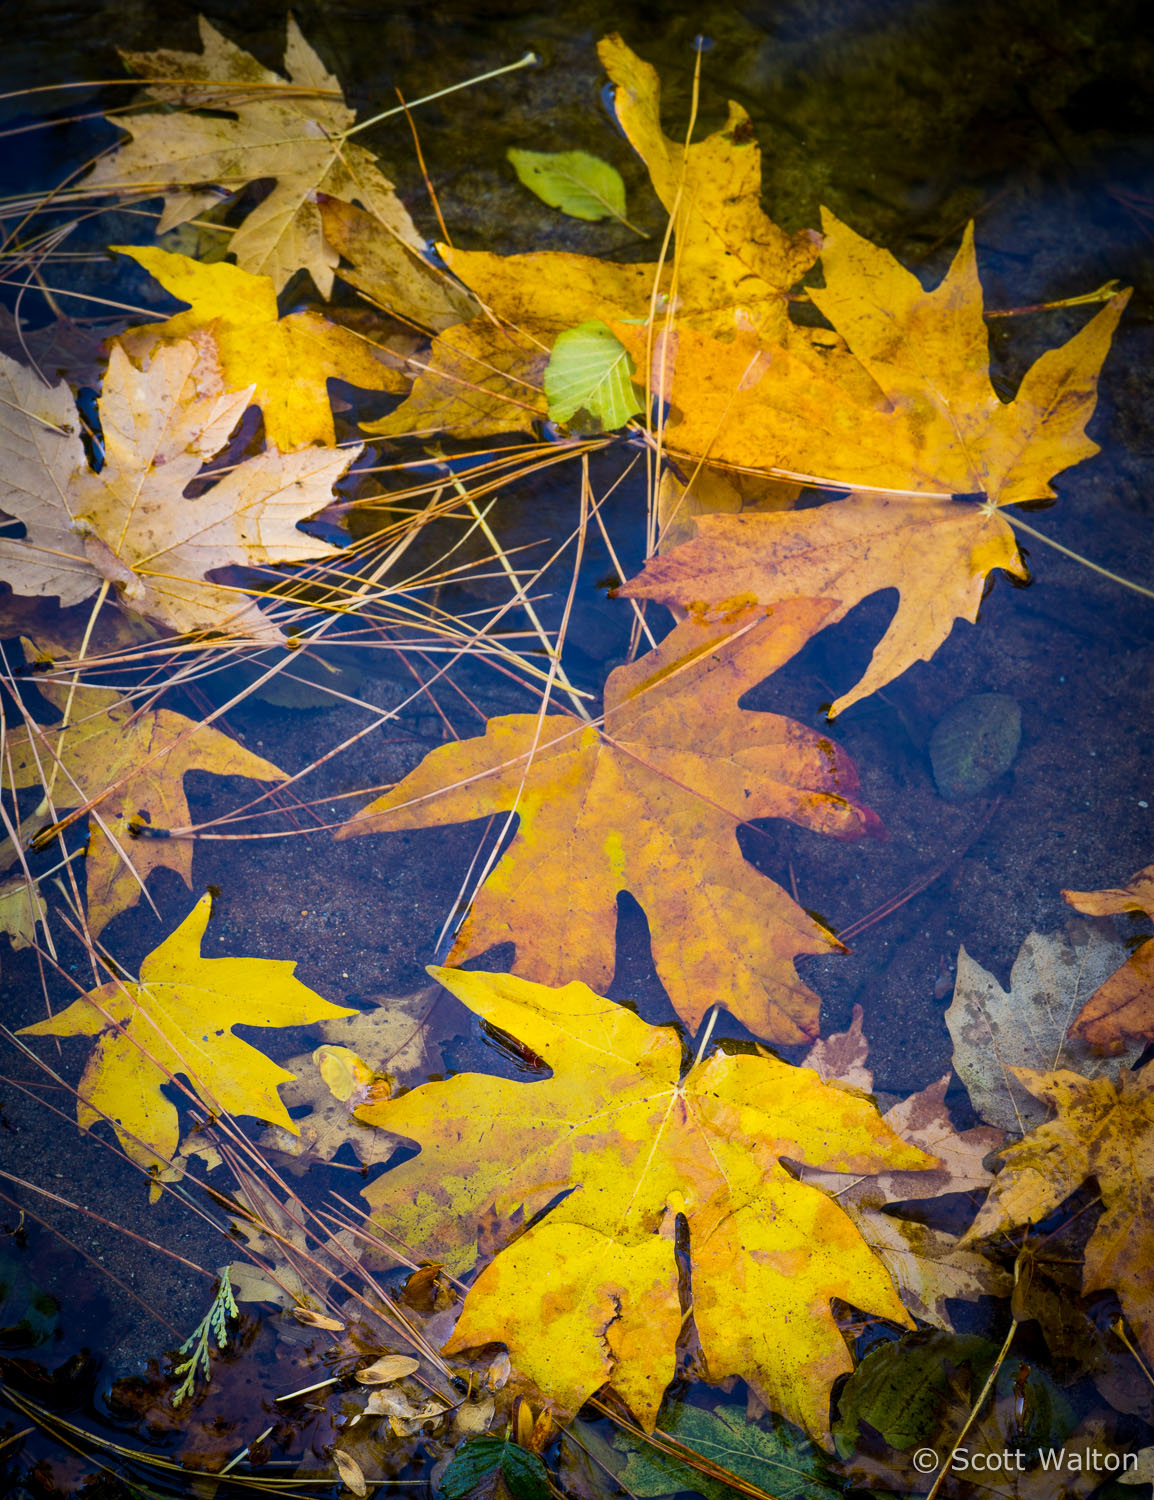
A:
933, 427
650, 802
1122, 1009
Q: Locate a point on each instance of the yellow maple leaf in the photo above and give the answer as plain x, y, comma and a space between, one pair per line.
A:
588, 1296
651, 803
730, 253
285, 361
131, 765
1104, 1129
177, 1019
132, 525
934, 425
239, 121
730, 256
1121, 1010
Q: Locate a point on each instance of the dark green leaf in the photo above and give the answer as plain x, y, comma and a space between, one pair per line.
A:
480, 1461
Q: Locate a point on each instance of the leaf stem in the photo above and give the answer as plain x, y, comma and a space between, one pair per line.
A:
1094, 567
527, 61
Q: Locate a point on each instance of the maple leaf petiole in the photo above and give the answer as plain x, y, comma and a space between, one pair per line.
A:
528, 61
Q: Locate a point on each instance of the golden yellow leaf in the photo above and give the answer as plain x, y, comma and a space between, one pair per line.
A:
900, 402
177, 1019
236, 122
651, 803
1103, 1130
731, 257
478, 379
132, 524
21, 907
589, 1295
547, 291
1121, 1010
900, 399
132, 763
926, 1264
730, 253
285, 361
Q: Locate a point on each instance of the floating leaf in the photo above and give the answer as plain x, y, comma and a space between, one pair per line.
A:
590, 370
286, 361
650, 803
1121, 1009
615, 1144
580, 185
132, 524
240, 122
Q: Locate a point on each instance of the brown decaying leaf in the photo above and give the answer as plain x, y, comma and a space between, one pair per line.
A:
1121, 1010
926, 1264
132, 525
142, 756
996, 1031
390, 273
478, 379
651, 803
842, 1056
1103, 1130
254, 124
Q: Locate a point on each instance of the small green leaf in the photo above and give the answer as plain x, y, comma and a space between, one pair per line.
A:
580, 185
776, 1457
589, 369
479, 1461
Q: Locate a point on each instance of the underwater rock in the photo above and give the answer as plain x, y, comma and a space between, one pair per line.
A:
974, 744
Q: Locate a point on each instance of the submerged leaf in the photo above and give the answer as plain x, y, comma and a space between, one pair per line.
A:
484, 1466
1102, 1130
997, 1031
780, 1460
650, 803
